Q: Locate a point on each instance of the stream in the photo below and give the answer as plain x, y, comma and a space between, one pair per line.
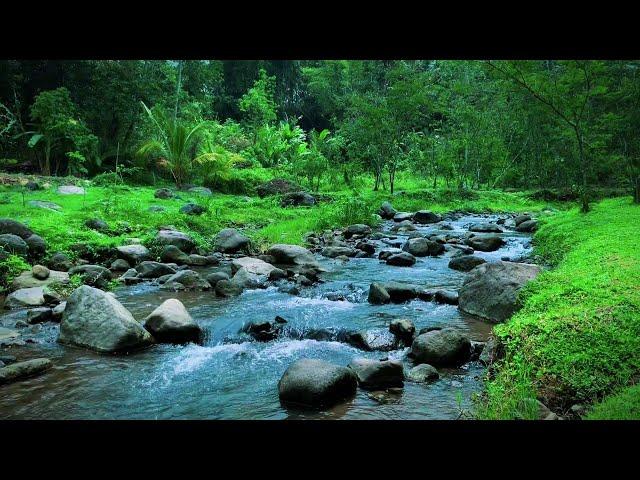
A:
228, 379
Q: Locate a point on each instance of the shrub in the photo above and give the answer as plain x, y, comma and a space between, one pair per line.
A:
10, 267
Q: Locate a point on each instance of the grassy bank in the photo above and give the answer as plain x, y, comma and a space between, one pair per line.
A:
577, 336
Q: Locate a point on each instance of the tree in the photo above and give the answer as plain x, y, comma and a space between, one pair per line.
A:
258, 104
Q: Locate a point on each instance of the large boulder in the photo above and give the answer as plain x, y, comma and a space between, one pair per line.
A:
37, 246
447, 347
178, 239
378, 295
13, 244
491, 289
172, 254
485, 242
95, 320
61, 262
25, 297
171, 323
426, 216
387, 211
149, 269
403, 259
94, 275
373, 340
277, 186
229, 240
252, 265
192, 209
522, 218
465, 263
13, 227
297, 199
404, 329
27, 279
96, 224
400, 292
485, 228
316, 383
163, 193
134, 254
20, 370
421, 247
333, 252
186, 280
527, 226
402, 216
377, 374
357, 229
423, 373
204, 191
228, 288
292, 255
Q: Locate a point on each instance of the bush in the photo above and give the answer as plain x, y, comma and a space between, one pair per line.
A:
239, 182
10, 267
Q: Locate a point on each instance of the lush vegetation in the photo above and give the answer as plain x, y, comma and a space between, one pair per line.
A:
575, 340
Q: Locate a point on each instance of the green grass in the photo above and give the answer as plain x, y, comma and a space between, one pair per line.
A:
577, 336
624, 405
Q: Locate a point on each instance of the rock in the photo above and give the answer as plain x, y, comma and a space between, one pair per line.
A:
490, 291
487, 242
95, 320
171, 323
93, 275
367, 248
156, 208
316, 383
163, 193
292, 255
378, 295
465, 263
134, 254
423, 373
421, 247
25, 297
334, 252
528, 226
7, 359
61, 262
229, 240
40, 272
204, 191
7, 335
384, 254
227, 288
476, 350
70, 190
27, 280
252, 265
56, 313
376, 374
119, 265
172, 254
387, 211
402, 216
403, 259
404, 226
400, 292
192, 209
214, 278
44, 204
149, 269
187, 279
447, 297
198, 260
373, 340
296, 199
521, 219
426, 216
357, 229
249, 280
39, 315
264, 331
403, 329
485, 227
37, 246
13, 244
9, 226
446, 347
178, 239
96, 224
26, 369
277, 274
277, 186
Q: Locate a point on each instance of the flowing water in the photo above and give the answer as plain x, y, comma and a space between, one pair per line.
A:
228, 379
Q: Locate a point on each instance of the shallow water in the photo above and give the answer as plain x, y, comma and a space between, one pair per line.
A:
222, 380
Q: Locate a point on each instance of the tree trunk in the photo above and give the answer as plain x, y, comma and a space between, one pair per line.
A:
636, 190
584, 194
46, 171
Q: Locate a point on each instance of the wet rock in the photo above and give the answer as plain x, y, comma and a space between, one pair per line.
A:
402, 216
426, 216
447, 297
404, 226
423, 373
490, 353
476, 350
264, 331
384, 254
95, 320
387, 211
70, 190
485, 228
40, 272
297, 199
421, 247
13, 227
172, 254
446, 347
277, 274
252, 265
186, 279
367, 248
96, 224
92, 275
149, 269
378, 295
214, 278
120, 265
334, 252
39, 315
376, 374
465, 263
26, 369
25, 297
357, 229
56, 313
7, 335
315, 383
403, 259
373, 340
227, 288
400, 292
521, 219
178, 239
403, 329
61, 262
13, 244
7, 359
491, 289
292, 255
528, 226
171, 323
487, 242
134, 254
198, 260
192, 209
163, 193
229, 240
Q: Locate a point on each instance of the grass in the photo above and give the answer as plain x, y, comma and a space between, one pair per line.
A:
624, 405
577, 336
